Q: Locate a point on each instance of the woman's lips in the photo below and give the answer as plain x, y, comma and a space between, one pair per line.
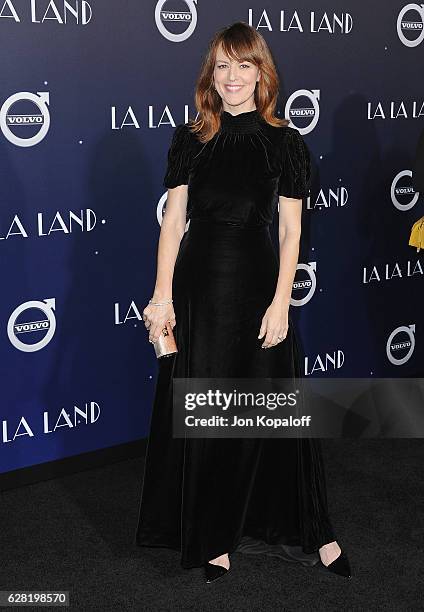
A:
233, 88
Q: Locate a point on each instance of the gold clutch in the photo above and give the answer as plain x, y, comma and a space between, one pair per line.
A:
165, 345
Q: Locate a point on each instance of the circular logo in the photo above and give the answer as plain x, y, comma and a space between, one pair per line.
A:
34, 327
409, 29
401, 191
188, 18
404, 346
303, 115
15, 126
307, 285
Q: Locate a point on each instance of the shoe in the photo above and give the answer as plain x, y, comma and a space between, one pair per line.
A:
339, 566
214, 571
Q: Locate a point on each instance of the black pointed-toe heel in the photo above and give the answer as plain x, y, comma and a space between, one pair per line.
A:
339, 566
213, 571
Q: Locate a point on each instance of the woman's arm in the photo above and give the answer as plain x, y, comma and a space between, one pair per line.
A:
289, 231
275, 322
171, 234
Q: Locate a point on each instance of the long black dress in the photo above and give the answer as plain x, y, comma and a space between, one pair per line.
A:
206, 497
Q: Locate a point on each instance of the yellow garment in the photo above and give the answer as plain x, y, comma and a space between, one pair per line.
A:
417, 234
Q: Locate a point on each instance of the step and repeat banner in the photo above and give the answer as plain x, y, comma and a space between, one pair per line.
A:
90, 94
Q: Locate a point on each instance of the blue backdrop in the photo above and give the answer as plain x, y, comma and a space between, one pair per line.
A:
90, 95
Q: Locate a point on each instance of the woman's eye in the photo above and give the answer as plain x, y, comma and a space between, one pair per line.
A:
225, 65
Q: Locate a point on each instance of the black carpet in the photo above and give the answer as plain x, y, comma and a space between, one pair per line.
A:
77, 533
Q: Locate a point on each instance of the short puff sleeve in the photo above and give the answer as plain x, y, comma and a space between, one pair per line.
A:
179, 155
296, 168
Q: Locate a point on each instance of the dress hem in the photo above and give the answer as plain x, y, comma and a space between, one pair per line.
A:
295, 553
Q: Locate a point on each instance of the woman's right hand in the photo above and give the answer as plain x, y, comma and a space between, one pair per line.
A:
156, 317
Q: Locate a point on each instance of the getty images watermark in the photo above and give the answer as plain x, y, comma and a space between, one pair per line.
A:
298, 408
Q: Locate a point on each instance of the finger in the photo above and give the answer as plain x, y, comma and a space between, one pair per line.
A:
283, 333
279, 336
262, 330
268, 338
272, 339
155, 332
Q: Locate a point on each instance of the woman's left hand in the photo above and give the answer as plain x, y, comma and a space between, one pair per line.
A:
275, 324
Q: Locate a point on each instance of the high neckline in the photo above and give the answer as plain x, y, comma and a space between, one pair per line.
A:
248, 121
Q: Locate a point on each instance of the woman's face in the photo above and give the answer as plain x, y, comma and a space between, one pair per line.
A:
235, 82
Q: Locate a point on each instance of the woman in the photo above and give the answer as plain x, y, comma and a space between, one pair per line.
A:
220, 287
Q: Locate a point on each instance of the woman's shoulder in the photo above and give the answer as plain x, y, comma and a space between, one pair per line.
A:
183, 136
290, 134
179, 157
285, 135
182, 130
181, 141
185, 128
292, 141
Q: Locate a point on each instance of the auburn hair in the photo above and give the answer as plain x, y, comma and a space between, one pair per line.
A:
243, 43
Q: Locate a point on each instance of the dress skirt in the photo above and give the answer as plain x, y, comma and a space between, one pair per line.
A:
206, 497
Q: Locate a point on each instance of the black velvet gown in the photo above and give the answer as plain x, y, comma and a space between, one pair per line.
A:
206, 497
